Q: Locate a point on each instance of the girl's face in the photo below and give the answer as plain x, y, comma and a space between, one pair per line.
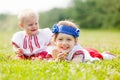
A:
65, 42
31, 25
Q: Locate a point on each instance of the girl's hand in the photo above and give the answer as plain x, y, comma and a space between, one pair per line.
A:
55, 53
62, 56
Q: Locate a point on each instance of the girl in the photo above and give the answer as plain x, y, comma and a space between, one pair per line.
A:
66, 47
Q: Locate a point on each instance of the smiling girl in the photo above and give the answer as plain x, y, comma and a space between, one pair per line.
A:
66, 47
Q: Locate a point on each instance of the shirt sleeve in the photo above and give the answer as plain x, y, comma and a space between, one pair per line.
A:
16, 38
49, 34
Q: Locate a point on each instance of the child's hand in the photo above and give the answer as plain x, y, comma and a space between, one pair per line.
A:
55, 53
36, 58
58, 56
62, 56
19, 51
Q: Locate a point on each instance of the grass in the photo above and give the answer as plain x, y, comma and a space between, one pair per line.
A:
11, 69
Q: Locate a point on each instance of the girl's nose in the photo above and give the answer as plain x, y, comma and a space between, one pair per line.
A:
64, 42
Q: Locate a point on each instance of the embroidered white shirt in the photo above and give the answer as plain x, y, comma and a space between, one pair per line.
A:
33, 44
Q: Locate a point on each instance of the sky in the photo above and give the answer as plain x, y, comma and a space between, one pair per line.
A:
15, 6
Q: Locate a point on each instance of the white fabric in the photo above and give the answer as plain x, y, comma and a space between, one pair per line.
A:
76, 48
44, 38
107, 56
87, 56
50, 49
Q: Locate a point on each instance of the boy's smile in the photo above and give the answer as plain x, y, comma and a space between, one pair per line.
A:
31, 25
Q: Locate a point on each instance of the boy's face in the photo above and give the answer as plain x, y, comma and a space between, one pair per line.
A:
65, 42
31, 25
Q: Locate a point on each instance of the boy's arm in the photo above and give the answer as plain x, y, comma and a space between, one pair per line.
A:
17, 49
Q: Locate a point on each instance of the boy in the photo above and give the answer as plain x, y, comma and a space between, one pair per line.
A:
30, 43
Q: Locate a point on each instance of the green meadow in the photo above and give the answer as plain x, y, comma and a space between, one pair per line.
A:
102, 40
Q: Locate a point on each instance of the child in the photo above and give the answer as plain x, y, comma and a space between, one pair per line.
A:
31, 43
65, 37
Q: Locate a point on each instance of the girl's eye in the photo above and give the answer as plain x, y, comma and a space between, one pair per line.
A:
60, 39
68, 39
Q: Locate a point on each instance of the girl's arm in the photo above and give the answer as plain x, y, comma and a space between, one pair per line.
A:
78, 58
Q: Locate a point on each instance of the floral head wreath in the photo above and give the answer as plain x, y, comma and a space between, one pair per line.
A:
65, 29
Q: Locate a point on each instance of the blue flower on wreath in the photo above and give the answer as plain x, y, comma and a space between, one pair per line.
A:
76, 33
55, 28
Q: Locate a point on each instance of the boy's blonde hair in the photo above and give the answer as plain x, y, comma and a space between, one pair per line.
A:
25, 14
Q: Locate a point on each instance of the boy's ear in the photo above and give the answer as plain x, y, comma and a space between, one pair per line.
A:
21, 25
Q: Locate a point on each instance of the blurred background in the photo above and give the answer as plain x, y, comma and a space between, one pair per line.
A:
88, 14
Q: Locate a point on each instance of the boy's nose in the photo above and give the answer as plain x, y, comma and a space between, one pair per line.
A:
34, 25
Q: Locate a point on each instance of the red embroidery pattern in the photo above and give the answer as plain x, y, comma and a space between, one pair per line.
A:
25, 43
29, 43
36, 42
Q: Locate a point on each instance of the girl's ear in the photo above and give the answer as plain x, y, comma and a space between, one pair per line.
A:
76, 40
53, 39
55, 43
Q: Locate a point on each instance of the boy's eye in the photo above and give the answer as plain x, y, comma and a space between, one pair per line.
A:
30, 24
36, 23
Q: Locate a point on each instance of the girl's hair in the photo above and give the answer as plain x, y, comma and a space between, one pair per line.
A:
65, 23
25, 14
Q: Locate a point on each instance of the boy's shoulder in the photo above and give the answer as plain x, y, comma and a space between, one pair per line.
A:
18, 36
45, 33
19, 33
45, 30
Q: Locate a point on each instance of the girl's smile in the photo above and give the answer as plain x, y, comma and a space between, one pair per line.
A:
65, 42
